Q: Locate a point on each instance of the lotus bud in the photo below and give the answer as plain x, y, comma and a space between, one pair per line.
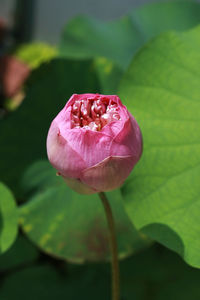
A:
94, 143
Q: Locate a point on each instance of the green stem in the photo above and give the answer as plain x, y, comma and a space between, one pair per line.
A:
113, 246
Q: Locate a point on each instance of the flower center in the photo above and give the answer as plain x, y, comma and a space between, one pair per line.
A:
93, 114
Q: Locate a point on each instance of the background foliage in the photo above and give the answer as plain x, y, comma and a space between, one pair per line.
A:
151, 58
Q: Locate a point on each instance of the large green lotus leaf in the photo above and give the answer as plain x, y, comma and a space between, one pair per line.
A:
162, 90
72, 226
86, 37
23, 133
118, 40
8, 218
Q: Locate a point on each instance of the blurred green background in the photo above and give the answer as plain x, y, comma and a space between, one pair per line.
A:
54, 242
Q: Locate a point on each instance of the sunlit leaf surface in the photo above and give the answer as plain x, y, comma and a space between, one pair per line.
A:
162, 90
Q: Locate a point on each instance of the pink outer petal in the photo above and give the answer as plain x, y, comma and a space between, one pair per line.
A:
108, 174
64, 158
63, 119
78, 186
92, 146
138, 137
129, 140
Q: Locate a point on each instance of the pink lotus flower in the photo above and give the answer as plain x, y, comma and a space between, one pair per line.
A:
94, 143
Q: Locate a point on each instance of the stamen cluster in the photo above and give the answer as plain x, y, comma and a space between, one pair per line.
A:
93, 114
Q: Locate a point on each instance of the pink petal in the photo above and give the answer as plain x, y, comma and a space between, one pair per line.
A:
93, 146
61, 155
108, 174
128, 141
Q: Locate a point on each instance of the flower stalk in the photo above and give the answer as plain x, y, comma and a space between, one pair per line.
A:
113, 247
